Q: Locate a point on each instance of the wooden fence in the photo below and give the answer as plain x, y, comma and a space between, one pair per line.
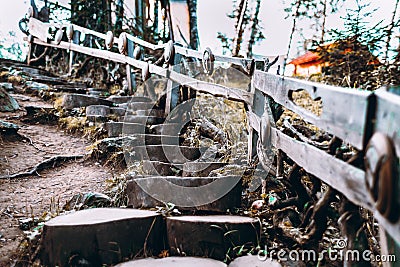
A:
368, 121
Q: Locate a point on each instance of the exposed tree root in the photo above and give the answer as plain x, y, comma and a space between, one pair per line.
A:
48, 163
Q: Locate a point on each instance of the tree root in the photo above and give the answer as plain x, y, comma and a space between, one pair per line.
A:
48, 163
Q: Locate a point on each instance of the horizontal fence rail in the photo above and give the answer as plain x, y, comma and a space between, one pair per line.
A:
360, 118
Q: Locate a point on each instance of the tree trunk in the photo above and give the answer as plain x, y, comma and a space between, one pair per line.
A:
390, 31
323, 23
119, 14
194, 36
254, 23
296, 15
239, 30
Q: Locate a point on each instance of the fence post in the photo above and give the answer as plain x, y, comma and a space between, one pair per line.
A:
130, 76
75, 40
173, 88
258, 108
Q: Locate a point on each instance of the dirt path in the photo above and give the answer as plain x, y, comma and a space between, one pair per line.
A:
35, 195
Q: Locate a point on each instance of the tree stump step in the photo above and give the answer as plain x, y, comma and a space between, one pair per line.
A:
133, 106
211, 236
165, 153
128, 99
142, 119
161, 168
173, 262
99, 110
115, 129
188, 193
202, 169
101, 236
149, 112
71, 101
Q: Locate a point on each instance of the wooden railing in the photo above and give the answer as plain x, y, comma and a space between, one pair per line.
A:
368, 121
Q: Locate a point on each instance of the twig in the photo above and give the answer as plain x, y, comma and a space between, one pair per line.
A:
48, 163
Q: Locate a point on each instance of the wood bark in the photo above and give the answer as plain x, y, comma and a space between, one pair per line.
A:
254, 31
194, 36
240, 28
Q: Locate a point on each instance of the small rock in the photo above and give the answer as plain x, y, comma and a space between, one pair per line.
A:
7, 86
35, 86
8, 128
7, 103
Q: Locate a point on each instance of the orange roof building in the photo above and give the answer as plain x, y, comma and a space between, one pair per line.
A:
307, 64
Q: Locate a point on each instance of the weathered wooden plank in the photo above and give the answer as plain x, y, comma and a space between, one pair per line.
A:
243, 62
345, 178
387, 115
340, 175
211, 88
38, 29
344, 110
143, 43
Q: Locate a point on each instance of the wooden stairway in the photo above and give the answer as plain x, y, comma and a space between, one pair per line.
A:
172, 173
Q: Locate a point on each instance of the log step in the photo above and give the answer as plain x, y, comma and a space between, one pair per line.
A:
115, 129
165, 153
153, 139
173, 262
142, 119
148, 112
71, 101
100, 236
211, 236
253, 260
189, 193
128, 99
133, 106
161, 168
202, 169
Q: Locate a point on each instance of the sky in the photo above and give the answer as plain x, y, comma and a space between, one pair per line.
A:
212, 18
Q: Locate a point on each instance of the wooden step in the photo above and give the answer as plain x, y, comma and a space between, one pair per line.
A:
154, 139
98, 110
142, 119
120, 112
128, 99
166, 153
202, 169
71, 101
253, 260
149, 112
101, 236
133, 106
189, 193
115, 129
161, 168
173, 262
211, 236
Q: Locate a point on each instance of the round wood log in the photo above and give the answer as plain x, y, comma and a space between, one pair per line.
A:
101, 236
211, 236
209, 193
253, 261
173, 262
200, 168
161, 168
128, 99
166, 153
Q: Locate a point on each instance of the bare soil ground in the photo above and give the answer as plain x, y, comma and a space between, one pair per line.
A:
51, 188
